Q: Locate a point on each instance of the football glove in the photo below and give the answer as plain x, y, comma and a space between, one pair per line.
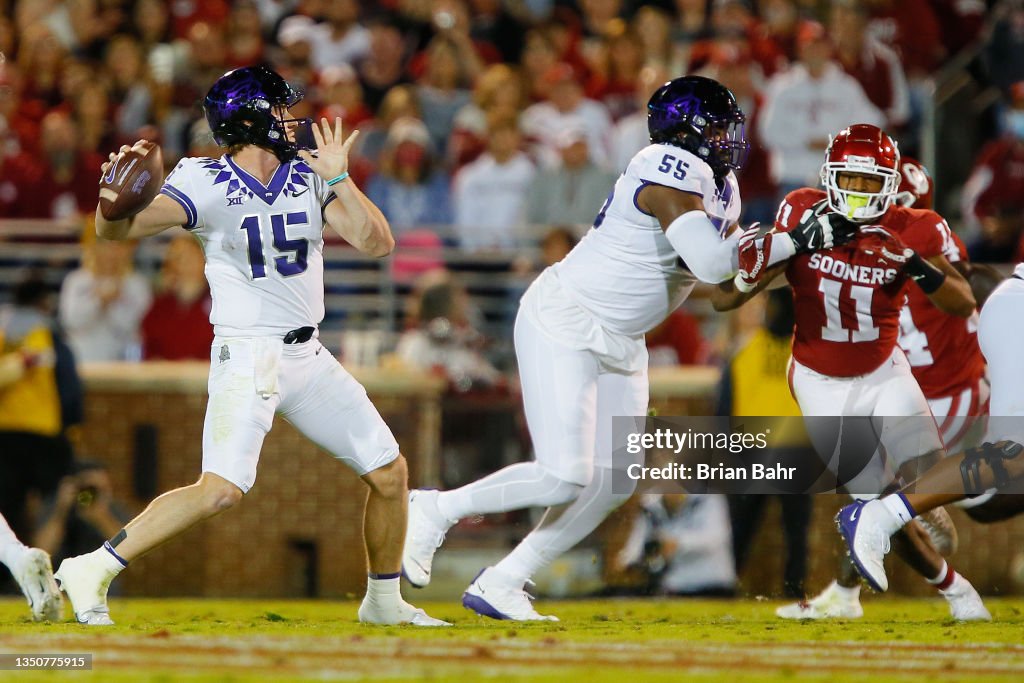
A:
820, 228
754, 248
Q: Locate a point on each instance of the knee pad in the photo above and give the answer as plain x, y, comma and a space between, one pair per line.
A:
992, 454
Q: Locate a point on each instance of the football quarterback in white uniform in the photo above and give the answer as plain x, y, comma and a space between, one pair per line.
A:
259, 213
579, 339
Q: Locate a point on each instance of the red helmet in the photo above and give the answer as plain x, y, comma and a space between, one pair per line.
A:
917, 189
864, 150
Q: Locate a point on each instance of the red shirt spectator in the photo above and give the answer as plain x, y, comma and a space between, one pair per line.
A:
773, 41
20, 175
961, 22
177, 330
186, 13
60, 183
177, 325
876, 67
993, 200
911, 28
677, 341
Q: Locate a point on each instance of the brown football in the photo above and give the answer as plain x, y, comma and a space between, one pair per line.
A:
132, 181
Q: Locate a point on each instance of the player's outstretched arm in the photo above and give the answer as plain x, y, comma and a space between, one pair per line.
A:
691, 232
944, 285
726, 297
162, 213
353, 215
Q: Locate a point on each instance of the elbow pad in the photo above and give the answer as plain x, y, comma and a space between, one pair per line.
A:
703, 250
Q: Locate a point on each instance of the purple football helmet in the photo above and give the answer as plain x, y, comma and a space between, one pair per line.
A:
243, 108
701, 116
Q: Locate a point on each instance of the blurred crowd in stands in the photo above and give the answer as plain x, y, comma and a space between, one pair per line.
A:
484, 115
481, 116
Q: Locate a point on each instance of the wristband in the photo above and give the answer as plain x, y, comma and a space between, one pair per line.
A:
337, 179
928, 277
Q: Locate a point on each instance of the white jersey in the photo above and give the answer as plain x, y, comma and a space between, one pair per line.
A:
263, 244
624, 271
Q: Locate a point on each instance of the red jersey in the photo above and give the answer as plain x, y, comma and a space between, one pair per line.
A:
847, 299
942, 349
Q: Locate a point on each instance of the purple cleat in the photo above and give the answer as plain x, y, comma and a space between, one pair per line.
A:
862, 524
491, 596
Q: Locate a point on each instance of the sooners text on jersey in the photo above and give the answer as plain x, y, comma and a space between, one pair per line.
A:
847, 299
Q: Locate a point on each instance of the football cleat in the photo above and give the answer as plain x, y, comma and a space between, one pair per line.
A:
85, 580
829, 604
424, 534
490, 596
964, 602
867, 541
396, 613
34, 575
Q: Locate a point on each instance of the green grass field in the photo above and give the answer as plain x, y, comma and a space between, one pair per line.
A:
596, 641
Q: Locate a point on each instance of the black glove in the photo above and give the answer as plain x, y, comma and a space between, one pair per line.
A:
820, 228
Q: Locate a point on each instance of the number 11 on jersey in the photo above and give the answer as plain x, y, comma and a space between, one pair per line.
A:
833, 330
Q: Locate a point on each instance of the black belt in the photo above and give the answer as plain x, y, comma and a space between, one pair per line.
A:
300, 335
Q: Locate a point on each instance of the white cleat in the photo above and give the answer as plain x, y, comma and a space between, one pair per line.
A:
34, 575
941, 530
829, 604
490, 596
863, 527
964, 602
424, 534
86, 580
394, 614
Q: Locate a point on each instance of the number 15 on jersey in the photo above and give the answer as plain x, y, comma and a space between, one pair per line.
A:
293, 252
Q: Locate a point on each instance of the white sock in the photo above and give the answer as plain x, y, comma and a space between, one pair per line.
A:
383, 588
945, 577
523, 485
562, 528
900, 511
109, 561
11, 549
851, 594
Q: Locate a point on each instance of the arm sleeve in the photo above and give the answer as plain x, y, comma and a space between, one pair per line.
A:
179, 187
702, 249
